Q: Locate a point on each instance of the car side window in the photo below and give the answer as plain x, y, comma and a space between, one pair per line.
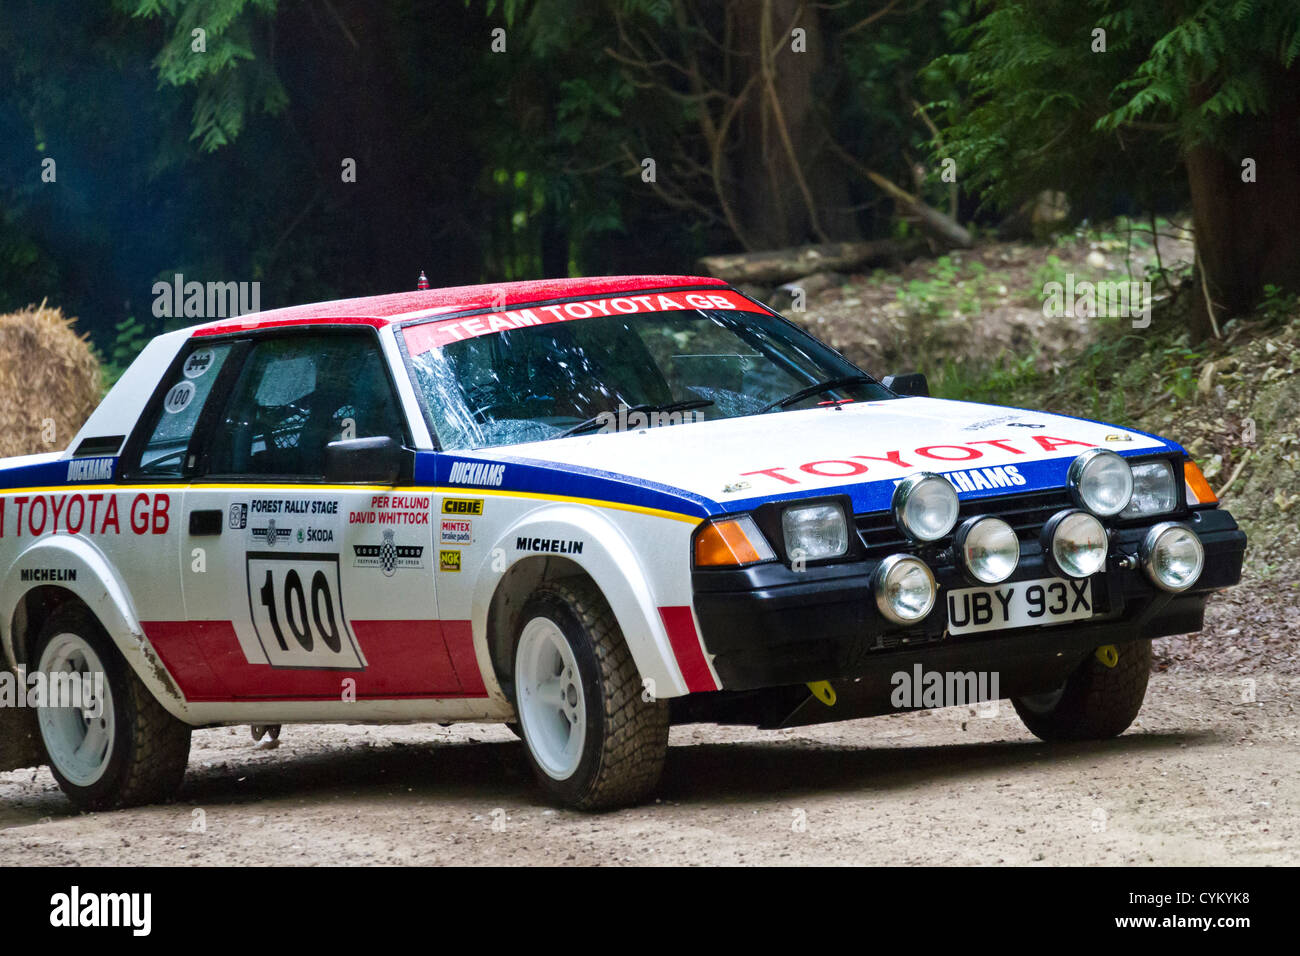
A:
294, 395
165, 451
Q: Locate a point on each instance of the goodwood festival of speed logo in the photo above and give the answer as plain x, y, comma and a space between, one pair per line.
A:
271, 534
389, 556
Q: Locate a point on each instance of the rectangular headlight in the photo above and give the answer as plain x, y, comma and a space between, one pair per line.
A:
814, 532
1154, 490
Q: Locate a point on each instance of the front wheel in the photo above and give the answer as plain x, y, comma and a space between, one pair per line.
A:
592, 740
1095, 702
110, 744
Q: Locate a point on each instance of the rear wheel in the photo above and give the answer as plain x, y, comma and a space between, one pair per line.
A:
592, 740
115, 746
1096, 701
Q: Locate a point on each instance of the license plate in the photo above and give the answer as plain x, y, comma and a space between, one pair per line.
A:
1019, 604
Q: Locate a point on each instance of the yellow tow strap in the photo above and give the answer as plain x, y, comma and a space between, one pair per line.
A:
823, 691
1108, 655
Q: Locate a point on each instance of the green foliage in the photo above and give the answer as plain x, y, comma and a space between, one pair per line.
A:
1278, 305
232, 74
1053, 270
1217, 61
1040, 109
1118, 377
1007, 376
129, 340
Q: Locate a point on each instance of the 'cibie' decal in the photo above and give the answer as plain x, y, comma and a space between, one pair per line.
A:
477, 473
892, 464
462, 506
91, 469
431, 335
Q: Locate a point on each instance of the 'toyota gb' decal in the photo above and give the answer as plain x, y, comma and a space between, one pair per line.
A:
84, 513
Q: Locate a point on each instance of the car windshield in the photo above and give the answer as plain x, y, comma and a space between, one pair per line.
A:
613, 372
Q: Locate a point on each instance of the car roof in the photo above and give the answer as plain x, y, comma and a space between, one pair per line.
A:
381, 310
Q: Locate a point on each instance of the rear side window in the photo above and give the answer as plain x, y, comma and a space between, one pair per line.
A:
165, 451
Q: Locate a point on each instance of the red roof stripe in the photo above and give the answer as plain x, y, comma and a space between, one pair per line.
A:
381, 310
259, 320
435, 333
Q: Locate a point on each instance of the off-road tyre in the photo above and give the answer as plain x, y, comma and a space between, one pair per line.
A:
626, 739
1096, 701
150, 748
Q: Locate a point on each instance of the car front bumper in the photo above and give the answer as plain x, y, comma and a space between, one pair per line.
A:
769, 626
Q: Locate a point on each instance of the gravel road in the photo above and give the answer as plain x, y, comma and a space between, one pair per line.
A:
1208, 775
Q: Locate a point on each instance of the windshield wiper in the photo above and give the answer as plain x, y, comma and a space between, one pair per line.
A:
816, 389
604, 417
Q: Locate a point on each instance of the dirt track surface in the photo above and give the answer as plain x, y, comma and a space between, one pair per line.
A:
1202, 778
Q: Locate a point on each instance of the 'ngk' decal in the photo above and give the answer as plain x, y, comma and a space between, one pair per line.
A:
897, 463
35, 515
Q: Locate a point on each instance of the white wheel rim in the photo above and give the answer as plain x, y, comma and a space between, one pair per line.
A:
79, 739
551, 704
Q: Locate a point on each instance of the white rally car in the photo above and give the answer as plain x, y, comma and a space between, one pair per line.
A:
586, 508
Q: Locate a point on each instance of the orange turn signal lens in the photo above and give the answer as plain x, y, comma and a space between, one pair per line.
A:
1199, 491
731, 542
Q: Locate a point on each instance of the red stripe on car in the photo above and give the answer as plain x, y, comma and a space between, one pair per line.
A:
680, 624
405, 659
424, 336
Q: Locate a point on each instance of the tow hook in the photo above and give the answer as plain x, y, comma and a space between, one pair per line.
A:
1108, 654
823, 691
265, 730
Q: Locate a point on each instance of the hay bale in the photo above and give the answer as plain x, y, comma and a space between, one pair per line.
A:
49, 385
49, 381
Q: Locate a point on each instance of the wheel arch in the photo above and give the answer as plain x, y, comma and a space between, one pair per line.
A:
93, 584
517, 585
608, 560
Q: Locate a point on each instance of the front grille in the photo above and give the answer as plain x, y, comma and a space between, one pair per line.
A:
1026, 513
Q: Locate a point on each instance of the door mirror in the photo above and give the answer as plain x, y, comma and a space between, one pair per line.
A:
375, 461
911, 383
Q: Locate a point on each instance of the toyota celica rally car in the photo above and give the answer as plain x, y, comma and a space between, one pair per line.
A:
588, 509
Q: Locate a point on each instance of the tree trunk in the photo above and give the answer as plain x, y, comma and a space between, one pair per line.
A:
1246, 231
553, 238
780, 203
784, 265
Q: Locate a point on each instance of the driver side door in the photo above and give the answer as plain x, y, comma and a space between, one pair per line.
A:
309, 590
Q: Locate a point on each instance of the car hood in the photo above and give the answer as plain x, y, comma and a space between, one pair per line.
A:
861, 449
